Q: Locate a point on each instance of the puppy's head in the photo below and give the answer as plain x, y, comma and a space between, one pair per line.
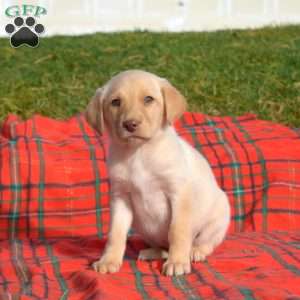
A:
133, 106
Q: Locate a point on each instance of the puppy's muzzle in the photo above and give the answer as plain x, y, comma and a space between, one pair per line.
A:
131, 125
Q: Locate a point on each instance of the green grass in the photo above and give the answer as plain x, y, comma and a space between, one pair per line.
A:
220, 73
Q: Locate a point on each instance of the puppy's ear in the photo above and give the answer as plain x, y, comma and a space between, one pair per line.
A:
94, 111
174, 101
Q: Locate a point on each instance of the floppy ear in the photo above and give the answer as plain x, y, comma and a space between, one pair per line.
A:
94, 111
174, 102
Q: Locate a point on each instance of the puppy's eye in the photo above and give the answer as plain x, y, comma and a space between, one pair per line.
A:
148, 99
116, 102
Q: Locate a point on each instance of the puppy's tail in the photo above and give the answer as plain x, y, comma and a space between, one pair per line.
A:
153, 253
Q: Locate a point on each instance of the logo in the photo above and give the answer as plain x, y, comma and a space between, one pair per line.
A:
25, 30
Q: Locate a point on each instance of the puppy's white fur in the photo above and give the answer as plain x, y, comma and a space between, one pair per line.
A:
161, 185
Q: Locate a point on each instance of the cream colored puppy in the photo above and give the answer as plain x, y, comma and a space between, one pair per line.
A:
160, 185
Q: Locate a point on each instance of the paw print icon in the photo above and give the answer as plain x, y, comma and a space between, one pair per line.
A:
24, 33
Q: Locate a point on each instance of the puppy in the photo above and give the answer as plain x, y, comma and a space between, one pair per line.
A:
160, 185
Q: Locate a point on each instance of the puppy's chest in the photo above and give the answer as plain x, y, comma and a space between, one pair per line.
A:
135, 177
149, 202
146, 189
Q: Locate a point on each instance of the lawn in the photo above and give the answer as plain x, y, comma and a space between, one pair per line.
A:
220, 73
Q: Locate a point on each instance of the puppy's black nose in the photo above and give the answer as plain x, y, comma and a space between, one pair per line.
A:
131, 125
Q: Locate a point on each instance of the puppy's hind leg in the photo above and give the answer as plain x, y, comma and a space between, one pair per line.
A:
212, 233
207, 240
200, 252
205, 244
152, 253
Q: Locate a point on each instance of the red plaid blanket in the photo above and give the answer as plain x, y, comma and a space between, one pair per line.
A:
54, 195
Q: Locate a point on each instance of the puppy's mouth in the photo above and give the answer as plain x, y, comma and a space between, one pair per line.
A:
132, 138
138, 137
135, 139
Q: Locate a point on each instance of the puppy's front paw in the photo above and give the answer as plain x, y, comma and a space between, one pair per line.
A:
171, 268
106, 265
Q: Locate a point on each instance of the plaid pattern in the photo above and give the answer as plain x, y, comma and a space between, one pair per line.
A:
54, 196
54, 179
249, 265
